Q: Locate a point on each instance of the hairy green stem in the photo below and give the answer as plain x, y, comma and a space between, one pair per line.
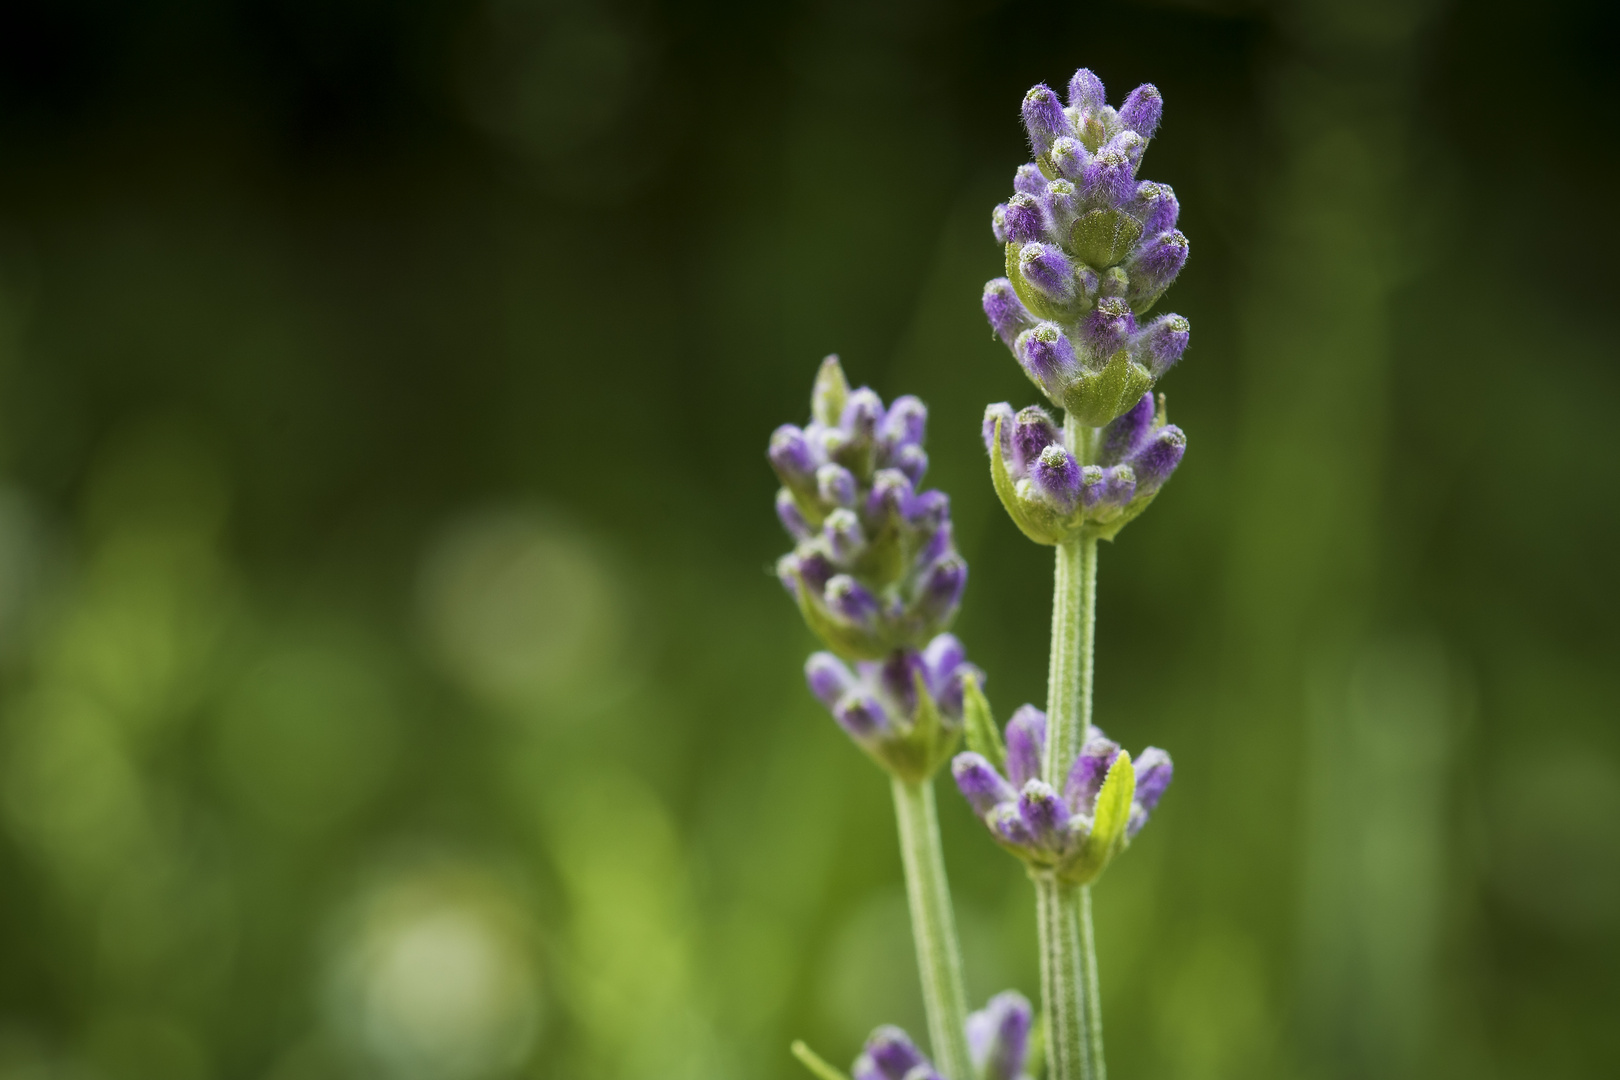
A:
933, 926
1069, 990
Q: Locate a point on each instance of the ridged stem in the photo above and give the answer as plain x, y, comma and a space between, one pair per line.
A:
1071, 997
933, 927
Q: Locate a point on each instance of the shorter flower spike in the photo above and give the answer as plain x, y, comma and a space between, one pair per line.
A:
999, 1042
874, 567
1052, 498
1105, 802
905, 710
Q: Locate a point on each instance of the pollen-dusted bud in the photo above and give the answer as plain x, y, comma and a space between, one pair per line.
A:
1033, 431
911, 460
1000, 413
791, 517
941, 589
890, 1055
1109, 179
1153, 774
1056, 476
1026, 220
1029, 180
862, 715
1119, 485
1062, 206
1093, 486
1044, 814
790, 455
1007, 314
1161, 342
1044, 118
1154, 463
1128, 431
835, 485
1047, 356
1155, 206
1142, 110
1070, 159
979, 782
998, 223
850, 599
1086, 91
1155, 267
1048, 270
906, 422
829, 679
1108, 326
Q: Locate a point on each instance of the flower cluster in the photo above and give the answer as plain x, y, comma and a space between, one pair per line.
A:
998, 1039
875, 568
1106, 798
904, 710
1052, 497
1089, 248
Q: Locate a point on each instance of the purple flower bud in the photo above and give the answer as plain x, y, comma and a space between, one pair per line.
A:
1093, 486
1043, 813
910, 460
1025, 219
842, 531
1155, 206
1056, 475
1109, 179
1154, 462
788, 512
906, 422
850, 599
829, 678
998, 1036
941, 589
1161, 342
941, 658
790, 455
1142, 110
1088, 283
892, 1051
1003, 412
1048, 269
1119, 485
1062, 206
1007, 314
1029, 180
836, 485
897, 675
1108, 326
890, 497
1047, 355
807, 566
998, 223
1126, 433
1070, 159
1032, 432
1026, 743
862, 415
1089, 771
930, 511
1086, 91
862, 715
1153, 773
1044, 118
1006, 822
1157, 264
979, 783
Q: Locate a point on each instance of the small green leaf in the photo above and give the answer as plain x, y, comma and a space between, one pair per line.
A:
817, 1065
1102, 238
830, 392
1016, 507
1113, 812
843, 638
983, 738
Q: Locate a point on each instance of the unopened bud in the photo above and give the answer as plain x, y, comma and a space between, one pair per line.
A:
1142, 110
1044, 118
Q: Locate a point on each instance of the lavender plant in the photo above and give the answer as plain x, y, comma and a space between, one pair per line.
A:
1089, 251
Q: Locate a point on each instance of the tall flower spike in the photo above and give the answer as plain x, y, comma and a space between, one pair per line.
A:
1080, 232
1105, 801
874, 567
1051, 498
905, 710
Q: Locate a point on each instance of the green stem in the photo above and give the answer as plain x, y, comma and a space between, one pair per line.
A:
933, 926
1069, 987
1063, 994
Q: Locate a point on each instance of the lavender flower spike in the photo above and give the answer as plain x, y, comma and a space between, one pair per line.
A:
906, 710
998, 1040
1082, 229
1105, 802
1051, 498
874, 567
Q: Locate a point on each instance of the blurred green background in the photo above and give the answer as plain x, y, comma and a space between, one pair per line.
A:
392, 683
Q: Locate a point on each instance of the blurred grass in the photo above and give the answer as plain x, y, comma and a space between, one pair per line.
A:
391, 681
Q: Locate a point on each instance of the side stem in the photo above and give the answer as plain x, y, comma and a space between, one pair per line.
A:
1071, 998
933, 926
